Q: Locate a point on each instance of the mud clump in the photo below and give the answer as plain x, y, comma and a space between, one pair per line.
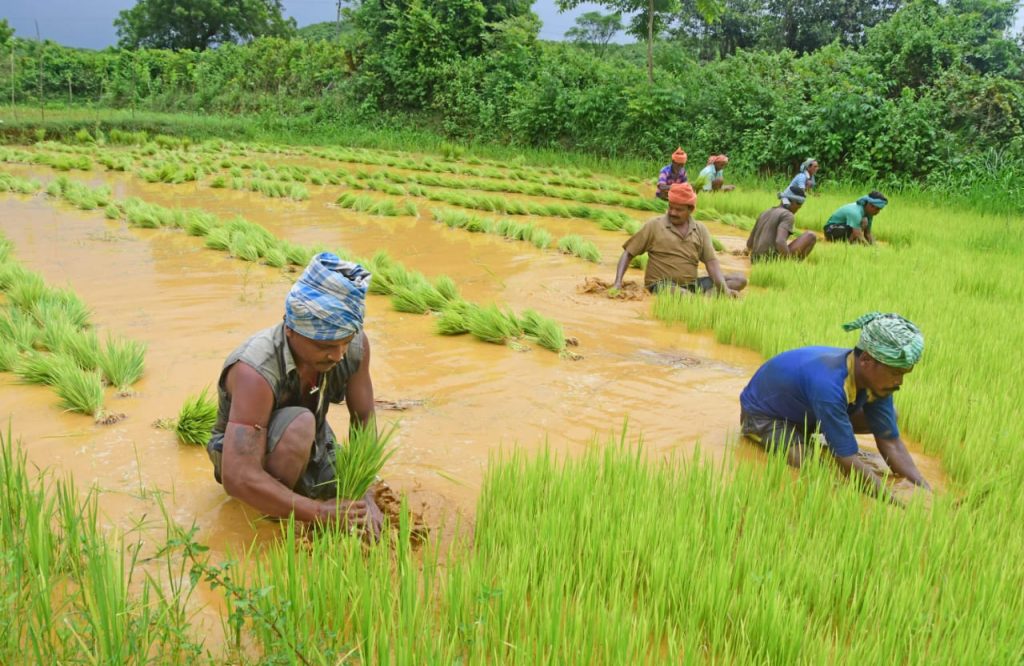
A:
110, 419
631, 289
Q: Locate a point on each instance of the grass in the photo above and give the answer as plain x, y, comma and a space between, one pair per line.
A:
196, 419
360, 459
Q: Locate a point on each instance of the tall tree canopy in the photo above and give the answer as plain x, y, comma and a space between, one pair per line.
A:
595, 28
199, 24
6, 31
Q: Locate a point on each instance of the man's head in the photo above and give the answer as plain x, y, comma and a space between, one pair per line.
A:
873, 203
682, 201
720, 161
679, 157
324, 310
810, 165
890, 346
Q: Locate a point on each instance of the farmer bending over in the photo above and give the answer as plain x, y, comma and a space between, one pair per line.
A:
852, 223
769, 239
674, 243
840, 391
672, 174
272, 447
714, 174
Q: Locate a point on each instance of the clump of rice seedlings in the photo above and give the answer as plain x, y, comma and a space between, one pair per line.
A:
10, 183
298, 192
410, 299
317, 178
20, 329
445, 286
452, 319
112, 211
115, 162
541, 238
361, 458
408, 208
9, 355
717, 244
122, 362
10, 274
196, 419
26, 290
492, 324
545, 331
61, 306
41, 368
359, 202
198, 223
383, 207
297, 255
82, 347
245, 246
141, 214
123, 138
386, 187
639, 261
631, 227
79, 390
218, 238
578, 247
275, 257
219, 182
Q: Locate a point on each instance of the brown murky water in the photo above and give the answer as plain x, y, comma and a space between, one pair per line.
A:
192, 306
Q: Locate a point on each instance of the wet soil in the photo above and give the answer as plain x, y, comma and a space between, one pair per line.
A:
458, 401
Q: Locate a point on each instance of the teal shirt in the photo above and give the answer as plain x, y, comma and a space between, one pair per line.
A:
850, 215
710, 173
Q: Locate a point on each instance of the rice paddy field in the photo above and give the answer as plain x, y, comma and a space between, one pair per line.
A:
569, 480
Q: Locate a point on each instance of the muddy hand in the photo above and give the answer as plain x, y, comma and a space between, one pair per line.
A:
347, 512
374, 516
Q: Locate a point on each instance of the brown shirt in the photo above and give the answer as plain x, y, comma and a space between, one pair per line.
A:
669, 256
761, 242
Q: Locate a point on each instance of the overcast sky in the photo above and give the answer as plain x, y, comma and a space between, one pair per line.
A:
90, 23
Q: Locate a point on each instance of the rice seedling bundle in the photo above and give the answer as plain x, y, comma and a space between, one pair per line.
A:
244, 247
11, 183
541, 238
219, 182
492, 324
383, 207
198, 223
79, 390
452, 319
545, 331
26, 290
639, 261
112, 211
41, 368
298, 255
122, 362
578, 247
446, 287
218, 238
409, 299
60, 306
298, 192
361, 458
19, 328
717, 244
9, 354
275, 257
196, 419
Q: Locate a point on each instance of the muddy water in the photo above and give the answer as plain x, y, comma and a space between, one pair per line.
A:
193, 305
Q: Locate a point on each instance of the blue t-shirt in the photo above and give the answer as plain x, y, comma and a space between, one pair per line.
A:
812, 386
803, 180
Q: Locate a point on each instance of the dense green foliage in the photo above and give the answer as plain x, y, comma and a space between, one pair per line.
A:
934, 94
199, 24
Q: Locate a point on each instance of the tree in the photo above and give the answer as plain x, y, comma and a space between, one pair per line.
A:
650, 13
199, 24
6, 32
596, 29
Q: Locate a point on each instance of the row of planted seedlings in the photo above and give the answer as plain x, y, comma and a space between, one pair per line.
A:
46, 337
410, 291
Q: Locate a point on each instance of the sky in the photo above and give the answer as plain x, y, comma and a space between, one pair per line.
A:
90, 23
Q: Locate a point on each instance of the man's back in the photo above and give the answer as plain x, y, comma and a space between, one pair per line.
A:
761, 241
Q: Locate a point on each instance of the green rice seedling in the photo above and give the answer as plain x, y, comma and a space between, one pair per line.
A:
218, 238
491, 324
541, 238
631, 227
235, 172
639, 261
359, 461
196, 419
408, 208
244, 246
20, 329
452, 319
122, 362
275, 257
25, 290
6, 248
79, 390
384, 207
9, 355
298, 192
717, 244
83, 347
297, 255
198, 223
61, 304
546, 331
112, 211
140, 214
578, 247
41, 368
446, 287
219, 182
410, 299
10, 183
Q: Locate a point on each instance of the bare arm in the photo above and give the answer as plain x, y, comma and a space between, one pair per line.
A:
715, 273
782, 241
245, 447
865, 477
359, 392
620, 270
895, 454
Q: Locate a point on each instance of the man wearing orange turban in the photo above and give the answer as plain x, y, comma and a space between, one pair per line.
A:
675, 243
714, 173
672, 174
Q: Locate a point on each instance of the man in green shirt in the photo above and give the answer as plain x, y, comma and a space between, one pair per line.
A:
852, 223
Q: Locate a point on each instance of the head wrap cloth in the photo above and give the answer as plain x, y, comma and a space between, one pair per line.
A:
718, 159
682, 194
877, 203
889, 338
679, 157
806, 164
329, 299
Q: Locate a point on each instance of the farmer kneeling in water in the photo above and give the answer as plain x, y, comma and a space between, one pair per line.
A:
272, 447
840, 391
674, 243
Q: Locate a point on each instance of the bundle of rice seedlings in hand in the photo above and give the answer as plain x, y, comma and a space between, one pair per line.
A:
122, 362
546, 331
79, 390
358, 461
196, 419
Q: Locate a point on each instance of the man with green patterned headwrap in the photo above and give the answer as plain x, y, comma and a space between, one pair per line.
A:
838, 392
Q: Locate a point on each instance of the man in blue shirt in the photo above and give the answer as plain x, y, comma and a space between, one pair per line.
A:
838, 392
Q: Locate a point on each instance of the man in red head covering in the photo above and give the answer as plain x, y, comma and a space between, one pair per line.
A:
672, 174
675, 243
714, 173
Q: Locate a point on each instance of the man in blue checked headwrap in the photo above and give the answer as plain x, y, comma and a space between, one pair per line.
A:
272, 447
852, 223
838, 392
